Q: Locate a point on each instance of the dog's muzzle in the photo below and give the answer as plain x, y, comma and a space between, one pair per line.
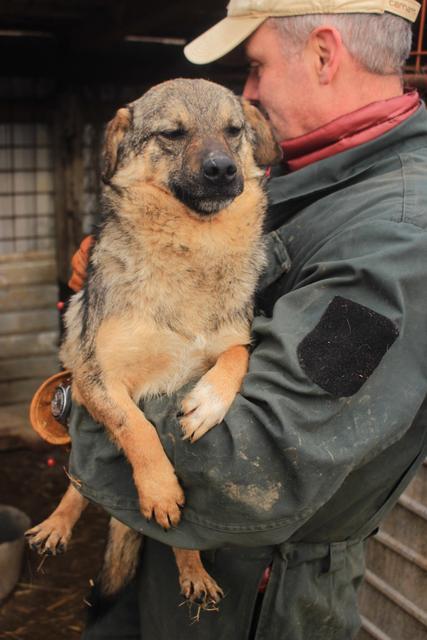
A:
219, 169
213, 188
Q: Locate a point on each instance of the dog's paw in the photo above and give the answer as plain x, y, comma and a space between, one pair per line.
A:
203, 408
50, 537
199, 587
161, 497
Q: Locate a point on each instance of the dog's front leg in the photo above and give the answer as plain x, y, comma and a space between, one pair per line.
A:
53, 534
158, 489
206, 405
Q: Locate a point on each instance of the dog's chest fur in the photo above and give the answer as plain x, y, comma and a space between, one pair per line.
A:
169, 294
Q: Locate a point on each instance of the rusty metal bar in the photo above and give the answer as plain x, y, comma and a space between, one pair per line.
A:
420, 51
402, 549
420, 36
414, 506
396, 597
372, 630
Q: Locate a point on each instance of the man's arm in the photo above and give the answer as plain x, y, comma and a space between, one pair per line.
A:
336, 377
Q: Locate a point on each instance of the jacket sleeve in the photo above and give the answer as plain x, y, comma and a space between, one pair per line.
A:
336, 376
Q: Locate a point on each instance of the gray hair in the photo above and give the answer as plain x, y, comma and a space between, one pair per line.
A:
379, 43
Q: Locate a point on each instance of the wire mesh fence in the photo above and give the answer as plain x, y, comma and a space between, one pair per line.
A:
26, 187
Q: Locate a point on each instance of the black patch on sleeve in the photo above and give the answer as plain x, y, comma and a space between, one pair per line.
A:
346, 346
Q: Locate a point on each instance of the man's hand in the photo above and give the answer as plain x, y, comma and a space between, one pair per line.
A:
79, 263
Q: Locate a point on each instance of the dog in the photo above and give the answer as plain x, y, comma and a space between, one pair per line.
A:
168, 297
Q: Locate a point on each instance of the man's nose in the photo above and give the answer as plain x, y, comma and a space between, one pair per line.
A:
250, 90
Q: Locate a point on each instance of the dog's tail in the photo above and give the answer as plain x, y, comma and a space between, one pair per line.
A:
121, 558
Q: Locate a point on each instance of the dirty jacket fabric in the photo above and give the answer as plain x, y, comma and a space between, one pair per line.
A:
330, 423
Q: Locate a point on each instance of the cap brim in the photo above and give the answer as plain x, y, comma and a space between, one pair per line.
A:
221, 39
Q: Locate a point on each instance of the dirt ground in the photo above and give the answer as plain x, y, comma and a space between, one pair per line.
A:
48, 602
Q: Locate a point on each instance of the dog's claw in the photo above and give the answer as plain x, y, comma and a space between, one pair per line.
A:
160, 498
201, 598
201, 589
50, 537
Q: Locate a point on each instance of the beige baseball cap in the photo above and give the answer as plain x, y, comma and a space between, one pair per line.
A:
245, 16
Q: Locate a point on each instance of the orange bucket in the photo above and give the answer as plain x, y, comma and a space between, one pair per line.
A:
41, 417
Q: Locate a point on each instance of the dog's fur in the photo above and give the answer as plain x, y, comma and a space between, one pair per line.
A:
169, 293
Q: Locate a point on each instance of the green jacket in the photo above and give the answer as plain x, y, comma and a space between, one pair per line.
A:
330, 424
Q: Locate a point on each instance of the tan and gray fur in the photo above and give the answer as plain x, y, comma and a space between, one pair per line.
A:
169, 293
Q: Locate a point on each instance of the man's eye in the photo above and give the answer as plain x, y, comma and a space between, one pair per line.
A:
254, 68
233, 131
173, 134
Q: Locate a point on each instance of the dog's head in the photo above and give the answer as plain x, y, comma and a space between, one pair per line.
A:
193, 138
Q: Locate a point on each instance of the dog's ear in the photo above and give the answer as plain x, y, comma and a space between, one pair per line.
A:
266, 150
114, 134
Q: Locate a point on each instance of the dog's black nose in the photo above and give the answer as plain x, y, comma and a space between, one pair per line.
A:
218, 168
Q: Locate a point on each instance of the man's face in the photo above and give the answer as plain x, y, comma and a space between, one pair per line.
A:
282, 82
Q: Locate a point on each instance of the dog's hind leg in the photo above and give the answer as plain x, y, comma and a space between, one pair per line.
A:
195, 582
53, 534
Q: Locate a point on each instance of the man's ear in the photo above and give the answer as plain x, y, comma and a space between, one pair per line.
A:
114, 134
266, 150
327, 46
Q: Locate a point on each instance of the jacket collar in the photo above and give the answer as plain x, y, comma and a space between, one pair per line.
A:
327, 173
349, 131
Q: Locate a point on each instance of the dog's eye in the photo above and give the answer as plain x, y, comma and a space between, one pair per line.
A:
173, 134
233, 131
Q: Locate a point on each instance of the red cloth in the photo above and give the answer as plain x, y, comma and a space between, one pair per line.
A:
264, 580
349, 131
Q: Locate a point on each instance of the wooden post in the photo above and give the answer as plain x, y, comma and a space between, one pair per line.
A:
69, 179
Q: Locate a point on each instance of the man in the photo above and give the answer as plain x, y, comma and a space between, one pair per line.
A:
329, 426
